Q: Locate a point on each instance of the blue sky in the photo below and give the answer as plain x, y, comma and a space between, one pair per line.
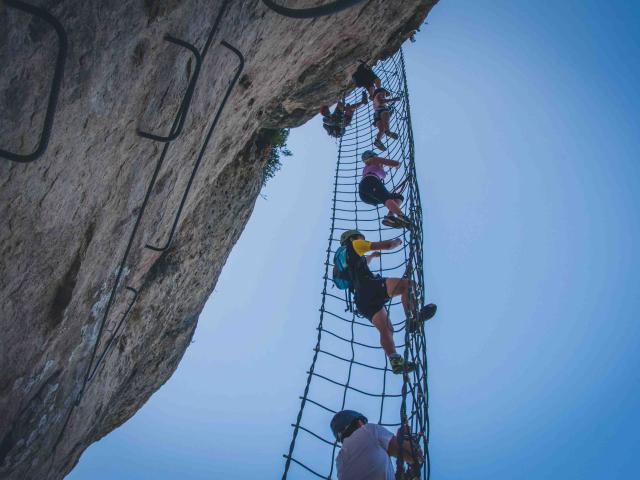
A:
526, 123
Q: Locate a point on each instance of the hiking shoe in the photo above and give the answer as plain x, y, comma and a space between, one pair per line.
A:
379, 145
390, 221
404, 221
393, 135
398, 365
426, 312
413, 471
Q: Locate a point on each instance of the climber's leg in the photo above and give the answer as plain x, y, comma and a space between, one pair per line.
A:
403, 287
399, 286
384, 115
394, 206
381, 129
381, 321
378, 141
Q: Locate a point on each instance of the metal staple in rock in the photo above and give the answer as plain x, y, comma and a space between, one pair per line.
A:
56, 81
311, 12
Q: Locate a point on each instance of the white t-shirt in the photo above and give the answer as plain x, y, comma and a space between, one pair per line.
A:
364, 455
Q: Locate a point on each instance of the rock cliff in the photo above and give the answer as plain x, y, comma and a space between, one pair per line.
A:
74, 224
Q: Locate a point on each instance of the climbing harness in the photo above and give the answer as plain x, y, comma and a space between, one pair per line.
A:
349, 368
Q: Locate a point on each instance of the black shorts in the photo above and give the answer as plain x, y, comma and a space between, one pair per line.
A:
373, 192
377, 114
364, 77
371, 296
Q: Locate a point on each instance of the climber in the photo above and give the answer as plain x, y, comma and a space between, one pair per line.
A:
382, 115
335, 123
373, 192
367, 448
372, 292
365, 78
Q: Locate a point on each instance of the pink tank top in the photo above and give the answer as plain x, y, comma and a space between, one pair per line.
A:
374, 169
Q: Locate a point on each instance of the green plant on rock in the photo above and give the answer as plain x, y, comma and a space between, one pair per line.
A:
274, 142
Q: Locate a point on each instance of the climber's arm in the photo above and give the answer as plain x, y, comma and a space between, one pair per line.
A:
386, 244
410, 454
382, 161
411, 451
372, 256
354, 106
363, 246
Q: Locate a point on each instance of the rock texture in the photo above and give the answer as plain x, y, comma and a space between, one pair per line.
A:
65, 220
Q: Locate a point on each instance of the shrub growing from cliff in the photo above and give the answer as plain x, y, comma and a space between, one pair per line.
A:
274, 142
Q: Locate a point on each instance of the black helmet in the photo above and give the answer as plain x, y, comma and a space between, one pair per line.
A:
380, 90
343, 420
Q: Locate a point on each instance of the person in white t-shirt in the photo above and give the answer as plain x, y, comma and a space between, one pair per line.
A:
367, 448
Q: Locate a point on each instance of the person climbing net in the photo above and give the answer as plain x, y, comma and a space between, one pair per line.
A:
367, 448
373, 291
335, 123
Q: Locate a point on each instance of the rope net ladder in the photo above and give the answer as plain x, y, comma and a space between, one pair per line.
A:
349, 369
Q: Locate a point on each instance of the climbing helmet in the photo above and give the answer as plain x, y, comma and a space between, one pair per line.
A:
367, 154
380, 90
343, 420
347, 235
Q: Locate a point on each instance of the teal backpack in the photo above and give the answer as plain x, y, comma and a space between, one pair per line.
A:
341, 277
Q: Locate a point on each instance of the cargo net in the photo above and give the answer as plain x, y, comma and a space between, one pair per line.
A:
349, 369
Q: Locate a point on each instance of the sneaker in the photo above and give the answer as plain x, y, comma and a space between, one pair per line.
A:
426, 312
379, 145
398, 365
390, 221
404, 221
393, 135
413, 470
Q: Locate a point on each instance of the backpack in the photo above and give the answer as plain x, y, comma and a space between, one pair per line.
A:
334, 125
333, 130
341, 275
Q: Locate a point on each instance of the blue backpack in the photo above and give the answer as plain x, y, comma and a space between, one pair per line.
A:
341, 277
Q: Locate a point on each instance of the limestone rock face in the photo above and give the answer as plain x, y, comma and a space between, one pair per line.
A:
66, 219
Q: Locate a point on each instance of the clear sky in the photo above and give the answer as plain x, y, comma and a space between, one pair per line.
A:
528, 151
